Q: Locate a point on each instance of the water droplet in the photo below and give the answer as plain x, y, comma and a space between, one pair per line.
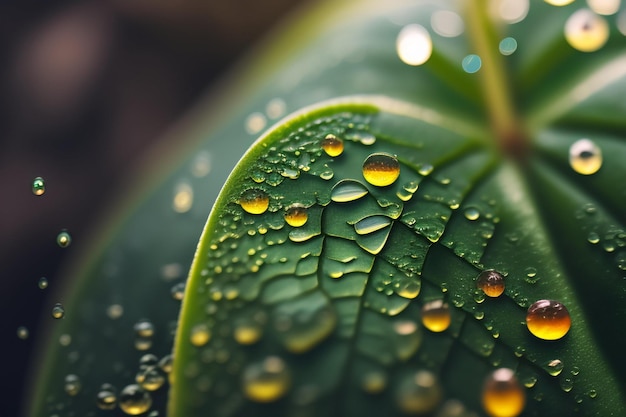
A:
414, 45
296, 215
507, 46
409, 290
254, 201
347, 190
178, 291
72, 384
471, 213
559, 2
150, 378
554, 367
530, 381
42, 283
502, 394
266, 381
425, 169
446, 23
592, 393
332, 145
183, 198
65, 340
255, 123
512, 11
491, 283
419, 393
247, 333
58, 311
167, 363
371, 224
200, 335
106, 398
471, 63
275, 108
585, 157
144, 328
586, 31
115, 311
64, 239
39, 186
134, 400
567, 384
548, 319
374, 382
436, 316
381, 169
22, 332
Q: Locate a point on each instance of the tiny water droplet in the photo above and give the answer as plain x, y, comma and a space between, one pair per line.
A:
58, 311
425, 169
332, 145
178, 291
183, 198
115, 311
64, 239
554, 367
254, 201
381, 169
39, 186
106, 398
42, 283
296, 215
167, 363
548, 319
247, 333
592, 393
586, 31
200, 335
436, 316
22, 332
491, 283
134, 400
414, 45
585, 157
567, 384
471, 213
144, 328
502, 394
471, 63
507, 46
72, 384
266, 381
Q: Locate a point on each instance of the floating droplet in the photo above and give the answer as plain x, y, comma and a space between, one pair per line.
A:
414, 45
471, 63
151, 378
200, 335
507, 46
419, 393
58, 311
332, 145
144, 328
42, 283
134, 400
39, 186
548, 319
593, 238
554, 367
255, 123
22, 332
586, 31
64, 239
166, 363
471, 213
254, 201
178, 291
183, 198
502, 394
585, 157
446, 23
72, 384
266, 381
296, 215
381, 169
347, 190
106, 398
436, 316
491, 283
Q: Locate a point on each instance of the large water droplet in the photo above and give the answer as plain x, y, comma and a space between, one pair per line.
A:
381, 169
436, 316
414, 45
38, 186
491, 283
332, 145
586, 31
585, 157
347, 190
134, 400
254, 201
266, 381
548, 319
371, 224
502, 394
296, 215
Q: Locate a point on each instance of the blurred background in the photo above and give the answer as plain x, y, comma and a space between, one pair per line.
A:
87, 88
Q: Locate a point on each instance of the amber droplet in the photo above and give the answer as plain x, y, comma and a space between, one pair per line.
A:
548, 319
254, 201
332, 145
296, 215
436, 316
381, 169
491, 283
502, 394
266, 381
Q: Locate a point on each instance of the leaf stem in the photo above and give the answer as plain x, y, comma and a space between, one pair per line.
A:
498, 99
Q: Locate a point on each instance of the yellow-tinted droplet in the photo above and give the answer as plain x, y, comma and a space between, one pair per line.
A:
586, 31
200, 335
254, 201
39, 186
178, 291
183, 198
266, 381
58, 311
548, 319
332, 145
585, 157
414, 45
374, 382
64, 239
151, 378
491, 283
502, 394
106, 398
559, 2
296, 215
72, 384
166, 363
419, 393
22, 332
381, 169
436, 316
247, 333
42, 283
134, 400
471, 213
144, 328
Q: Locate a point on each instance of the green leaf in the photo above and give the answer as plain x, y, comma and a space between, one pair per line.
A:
326, 317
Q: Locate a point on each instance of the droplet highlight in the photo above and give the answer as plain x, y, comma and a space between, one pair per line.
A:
42, 283
548, 319
64, 239
502, 394
436, 316
585, 157
586, 31
414, 45
254, 201
381, 169
491, 283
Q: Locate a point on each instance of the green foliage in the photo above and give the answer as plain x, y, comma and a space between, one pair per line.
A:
325, 316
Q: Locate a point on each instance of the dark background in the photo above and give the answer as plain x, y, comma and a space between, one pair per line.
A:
86, 89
